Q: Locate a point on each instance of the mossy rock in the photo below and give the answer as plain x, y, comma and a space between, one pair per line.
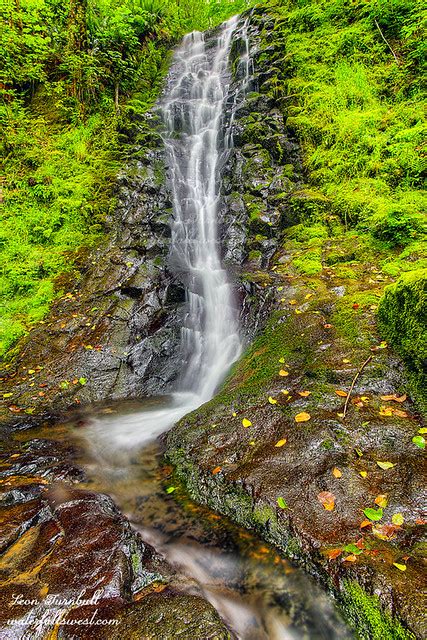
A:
402, 317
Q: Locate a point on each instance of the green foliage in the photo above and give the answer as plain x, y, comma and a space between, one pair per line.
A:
402, 318
358, 113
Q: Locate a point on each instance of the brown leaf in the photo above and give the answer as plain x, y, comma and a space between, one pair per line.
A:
327, 500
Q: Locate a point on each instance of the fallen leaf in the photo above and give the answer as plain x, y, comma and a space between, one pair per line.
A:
342, 394
282, 360
422, 430
398, 519
170, 489
384, 531
346, 361
31, 371
401, 567
386, 465
364, 474
82, 381
327, 326
309, 295
304, 394
394, 397
216, 470
292, 301
283, 373
7, 395
400, 413
352, 548
419, 442
334, 553
381, 500
282, 503
386, 411
280, 443
327, 500
373, 514
234, 414
285, 392
336, 472
246, 423
351, 558
365, 523
302, 417
272, 400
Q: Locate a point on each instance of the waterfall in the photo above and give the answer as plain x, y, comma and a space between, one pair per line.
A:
194, 118
197, 137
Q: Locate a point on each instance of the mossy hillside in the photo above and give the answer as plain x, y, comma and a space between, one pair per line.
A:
358, 114
402, 319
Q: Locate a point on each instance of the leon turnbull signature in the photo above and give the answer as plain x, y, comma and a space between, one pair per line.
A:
61, 607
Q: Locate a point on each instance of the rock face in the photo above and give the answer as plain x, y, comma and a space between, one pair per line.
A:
68, 555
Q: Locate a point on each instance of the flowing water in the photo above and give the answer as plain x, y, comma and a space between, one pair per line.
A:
259, 595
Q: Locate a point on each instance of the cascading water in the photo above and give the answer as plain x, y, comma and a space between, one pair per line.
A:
197, 140
195, 110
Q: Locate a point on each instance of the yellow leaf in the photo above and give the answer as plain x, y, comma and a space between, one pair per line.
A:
308, 296
401, 567
386, 411
272, 400
340, 415
292, 301
298, 311
342, 394
282, 360
363, 474
381, 500
31, 371
336, 472
252, 442
283, 373
246, 423
304, 394
234, 414
398, 519
285, 392
346, 361
386, 465
280, 443
302, 417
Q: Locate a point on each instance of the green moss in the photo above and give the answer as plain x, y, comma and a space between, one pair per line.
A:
309, 264
402, 316
365, 614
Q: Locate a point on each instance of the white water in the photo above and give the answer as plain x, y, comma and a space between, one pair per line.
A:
197, 142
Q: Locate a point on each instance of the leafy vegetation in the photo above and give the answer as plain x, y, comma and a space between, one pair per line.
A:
78, 78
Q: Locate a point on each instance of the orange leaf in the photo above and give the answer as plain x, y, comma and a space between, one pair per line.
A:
336, 472
342, 394
334, 553
216, 470
327, 500
327, 326
350, 558
365, 523
400, 413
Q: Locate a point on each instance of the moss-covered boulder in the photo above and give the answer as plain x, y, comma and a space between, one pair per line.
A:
402, 316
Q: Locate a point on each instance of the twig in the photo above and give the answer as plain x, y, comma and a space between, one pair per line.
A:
354, 382
383, 37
